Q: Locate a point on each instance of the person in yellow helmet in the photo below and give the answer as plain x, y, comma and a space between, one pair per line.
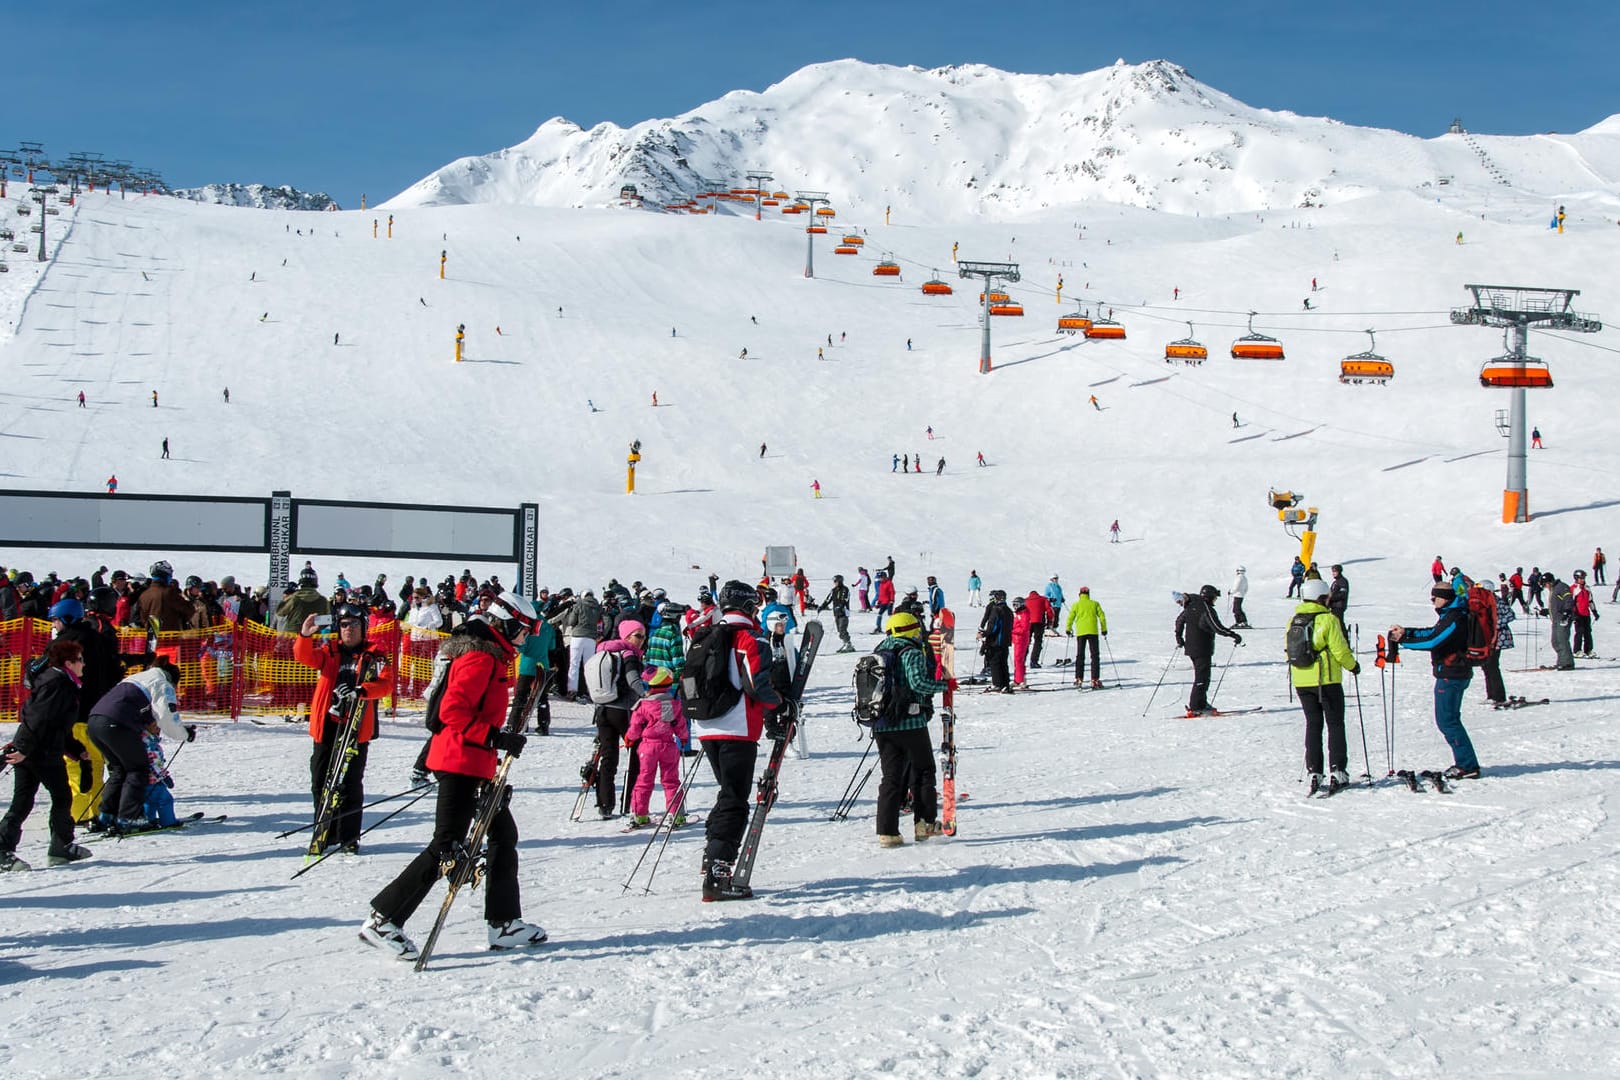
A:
901, 732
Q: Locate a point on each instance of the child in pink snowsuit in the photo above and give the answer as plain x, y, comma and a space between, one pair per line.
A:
1020, 638
657, 722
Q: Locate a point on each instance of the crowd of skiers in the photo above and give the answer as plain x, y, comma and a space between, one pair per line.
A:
86, 713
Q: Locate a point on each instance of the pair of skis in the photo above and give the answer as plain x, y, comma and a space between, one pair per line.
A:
344, 751
945, 650
197, 818
464, 863
766, 789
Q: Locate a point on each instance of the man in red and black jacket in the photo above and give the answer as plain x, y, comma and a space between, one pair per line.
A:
349, 669
464, 754
731, 740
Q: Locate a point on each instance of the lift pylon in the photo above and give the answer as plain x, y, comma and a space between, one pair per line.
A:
990, 272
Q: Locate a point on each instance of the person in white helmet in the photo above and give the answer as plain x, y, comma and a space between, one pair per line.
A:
1240, 589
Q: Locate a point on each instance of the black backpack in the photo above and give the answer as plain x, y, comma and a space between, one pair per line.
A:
706, 689
1302, 652
882, 697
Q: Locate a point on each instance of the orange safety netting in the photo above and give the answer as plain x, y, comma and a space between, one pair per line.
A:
20, 640
233, 670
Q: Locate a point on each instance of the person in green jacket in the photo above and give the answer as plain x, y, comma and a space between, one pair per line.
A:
1087, 620
1318, 683
533, 681
903, 745
665, 646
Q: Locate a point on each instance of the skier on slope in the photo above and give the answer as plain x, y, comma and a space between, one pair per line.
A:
1240, 589
1020, 639
1086, 621
995, 637
1196, 630
731, 741
885, 599
464, 755
1446, 642
837, 598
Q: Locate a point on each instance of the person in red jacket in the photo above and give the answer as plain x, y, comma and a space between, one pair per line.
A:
731, 740
885, 599
1041, 616
349, 668
464, 754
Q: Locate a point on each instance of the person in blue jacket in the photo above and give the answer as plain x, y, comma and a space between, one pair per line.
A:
936, 596
973, 588
1054, 593
773, 604
1446, 642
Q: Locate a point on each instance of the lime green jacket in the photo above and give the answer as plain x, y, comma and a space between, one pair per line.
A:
1333, 650
1086, 617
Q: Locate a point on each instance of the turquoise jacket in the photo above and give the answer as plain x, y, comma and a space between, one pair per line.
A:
536, 651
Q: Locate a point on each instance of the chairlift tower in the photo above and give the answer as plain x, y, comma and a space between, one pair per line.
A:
989, 271
810, 198
758, 179
714, 188
38, 194
1515, 308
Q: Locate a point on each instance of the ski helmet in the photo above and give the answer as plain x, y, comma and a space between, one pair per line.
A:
161, 572
1018, 603
1209, 592
510, 615
903, 624
1314, 589
104, 600
193, 582
770, 595
68, 610
998, 595
307, 578
660, 678
736, 596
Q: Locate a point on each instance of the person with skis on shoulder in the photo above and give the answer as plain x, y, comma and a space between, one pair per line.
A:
1446, 642
995, 638
465, 756
838, 600
658, 729
731, 740
533, 680
612, 719
1319, 685
905, 749
1196, 629
352, 678
37, 754
1086, 622
1240, 589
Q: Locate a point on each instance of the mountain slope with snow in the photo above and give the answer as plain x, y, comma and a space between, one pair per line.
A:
258, 196
974, 141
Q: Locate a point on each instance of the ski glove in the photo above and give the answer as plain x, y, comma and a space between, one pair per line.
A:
341, 696
191, 733
1237, 638
510, 742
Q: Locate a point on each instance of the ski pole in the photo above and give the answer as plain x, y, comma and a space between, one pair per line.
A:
367, 806
667, 818
334, 849
847, 800
1158, 684
1229, 658
1111, 661
667, 834
1361, 717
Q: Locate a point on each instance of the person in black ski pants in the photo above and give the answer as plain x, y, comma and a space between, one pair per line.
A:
905, 750
731, 740
1196, 629
143, 703
995, 636
36, 755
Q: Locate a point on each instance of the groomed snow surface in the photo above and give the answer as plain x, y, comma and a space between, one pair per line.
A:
1130, 894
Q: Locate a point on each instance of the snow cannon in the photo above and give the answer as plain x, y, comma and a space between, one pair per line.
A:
1299, 522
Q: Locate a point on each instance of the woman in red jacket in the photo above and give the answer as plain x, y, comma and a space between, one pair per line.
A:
349, 669
464, 753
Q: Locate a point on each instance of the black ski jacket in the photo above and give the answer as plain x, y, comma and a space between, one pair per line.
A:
996, 625
1198, 625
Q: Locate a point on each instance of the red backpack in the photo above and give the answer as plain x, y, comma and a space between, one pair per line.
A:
1481, 624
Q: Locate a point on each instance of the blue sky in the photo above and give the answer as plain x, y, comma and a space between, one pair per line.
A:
351, 98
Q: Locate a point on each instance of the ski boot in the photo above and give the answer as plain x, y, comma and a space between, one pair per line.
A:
515, 933
924, 829
380, 933
70, 854
717, 884
1316, 783
1096, 684
9, 861
1338, 780
888, 840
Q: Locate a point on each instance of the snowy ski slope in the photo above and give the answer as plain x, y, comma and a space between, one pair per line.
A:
1132, 894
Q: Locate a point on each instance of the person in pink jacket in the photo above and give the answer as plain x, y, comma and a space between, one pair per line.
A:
1020, 639
656, 723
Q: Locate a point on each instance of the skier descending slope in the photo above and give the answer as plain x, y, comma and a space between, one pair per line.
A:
463, 753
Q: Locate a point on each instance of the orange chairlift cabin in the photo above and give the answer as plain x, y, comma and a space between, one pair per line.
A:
1006, 307
826, 211
935, 287
1076, 322
886, 266
1186, 350
1105, 329
816, 230
1366, 366
846, 249
1253, 346
780, 195
854, 239
1515, 371
794, 209
997, 296
769, 202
